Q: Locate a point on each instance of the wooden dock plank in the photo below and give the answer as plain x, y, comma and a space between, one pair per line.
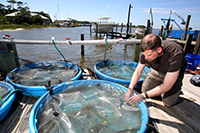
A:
184, 116
17, 119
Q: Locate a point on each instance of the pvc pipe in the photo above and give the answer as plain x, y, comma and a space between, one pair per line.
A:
68, 42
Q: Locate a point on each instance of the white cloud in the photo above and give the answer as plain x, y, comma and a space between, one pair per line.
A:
108, 7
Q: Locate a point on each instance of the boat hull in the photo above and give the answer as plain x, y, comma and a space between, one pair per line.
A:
103, 27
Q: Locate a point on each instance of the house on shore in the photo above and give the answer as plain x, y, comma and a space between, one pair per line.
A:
10, 17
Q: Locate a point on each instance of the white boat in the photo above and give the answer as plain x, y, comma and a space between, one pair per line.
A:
103, 25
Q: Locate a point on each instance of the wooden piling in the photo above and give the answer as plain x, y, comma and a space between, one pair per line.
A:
139, 34
122, 27
96, 29
188, 45
82, 46
116, 26
148, 28
197, 46
90, 29
130, 27
186, 27
161, 30
128, 18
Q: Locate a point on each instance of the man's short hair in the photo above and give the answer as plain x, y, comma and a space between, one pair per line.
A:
150, 41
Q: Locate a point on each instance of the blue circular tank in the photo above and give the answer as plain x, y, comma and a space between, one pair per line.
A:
40, 105
35, 85
7, 99
117, 66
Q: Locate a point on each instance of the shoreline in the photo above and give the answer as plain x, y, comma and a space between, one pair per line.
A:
17, 29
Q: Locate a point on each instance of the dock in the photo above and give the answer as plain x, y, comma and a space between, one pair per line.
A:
183, 117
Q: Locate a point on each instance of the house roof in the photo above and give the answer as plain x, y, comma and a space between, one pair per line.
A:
65, 19
32, 14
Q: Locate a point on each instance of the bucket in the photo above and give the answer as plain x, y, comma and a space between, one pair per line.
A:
87, 106
32, 78
6, 100
192, 61
119, 71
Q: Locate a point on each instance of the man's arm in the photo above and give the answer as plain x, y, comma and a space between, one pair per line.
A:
134, 79
136, 75
168, 83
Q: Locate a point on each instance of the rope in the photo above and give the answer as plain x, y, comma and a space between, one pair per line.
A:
58, 50
105, 48
15, 56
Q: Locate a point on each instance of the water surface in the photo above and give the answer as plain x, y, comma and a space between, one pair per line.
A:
41, 52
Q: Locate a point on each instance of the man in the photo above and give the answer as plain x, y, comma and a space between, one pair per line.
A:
167, 67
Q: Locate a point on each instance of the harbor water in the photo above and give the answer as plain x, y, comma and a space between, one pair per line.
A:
92, 53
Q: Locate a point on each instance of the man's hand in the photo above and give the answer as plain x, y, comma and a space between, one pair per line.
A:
135, 99
128, 94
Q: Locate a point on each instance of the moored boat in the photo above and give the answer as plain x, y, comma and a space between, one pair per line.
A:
103, 25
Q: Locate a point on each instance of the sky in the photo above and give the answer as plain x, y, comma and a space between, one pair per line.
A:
117, 10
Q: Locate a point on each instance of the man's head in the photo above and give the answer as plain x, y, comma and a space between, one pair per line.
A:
151, 47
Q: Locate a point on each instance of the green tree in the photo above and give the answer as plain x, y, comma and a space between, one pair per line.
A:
8, 8
2, 9
37, 19
23, 16
3, 19
12, 2
19, 5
